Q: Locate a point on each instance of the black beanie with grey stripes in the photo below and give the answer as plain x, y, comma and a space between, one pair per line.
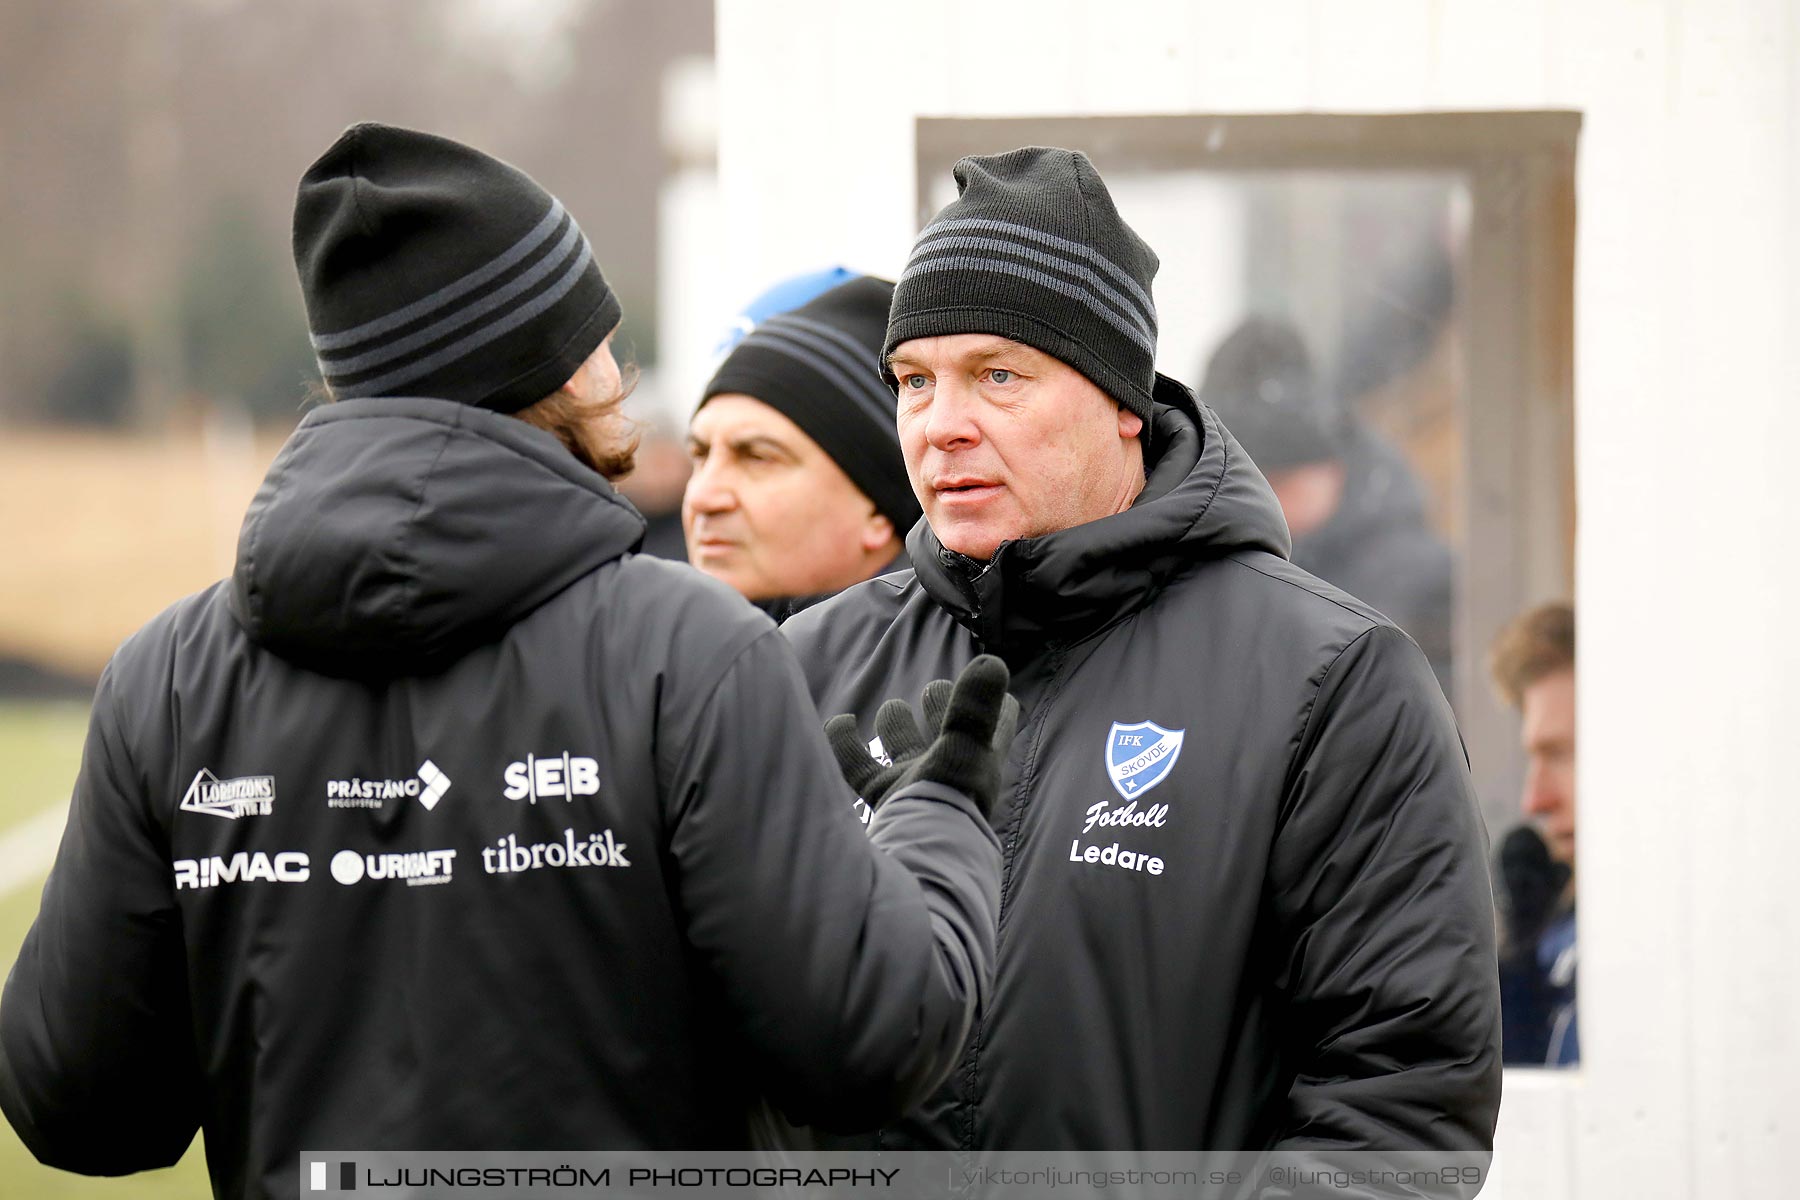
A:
818, 366
430, 269
1032, 249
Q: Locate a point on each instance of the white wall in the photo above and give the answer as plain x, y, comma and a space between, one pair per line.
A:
1688, 429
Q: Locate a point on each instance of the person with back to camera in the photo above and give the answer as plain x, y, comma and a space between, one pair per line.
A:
449, 822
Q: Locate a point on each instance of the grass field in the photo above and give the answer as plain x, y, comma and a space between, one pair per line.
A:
40, 745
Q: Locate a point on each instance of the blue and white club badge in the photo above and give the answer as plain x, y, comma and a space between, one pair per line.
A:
1140, 755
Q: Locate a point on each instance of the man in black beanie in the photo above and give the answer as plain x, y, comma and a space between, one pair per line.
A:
1246, 901
449, 822
798, 488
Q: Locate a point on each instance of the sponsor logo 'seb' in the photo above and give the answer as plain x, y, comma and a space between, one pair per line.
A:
549, 777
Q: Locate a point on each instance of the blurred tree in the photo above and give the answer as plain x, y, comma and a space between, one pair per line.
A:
243, 331
93, 381
61, 189
153, 218
123, 127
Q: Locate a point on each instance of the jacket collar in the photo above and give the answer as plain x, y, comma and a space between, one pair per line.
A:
780, 608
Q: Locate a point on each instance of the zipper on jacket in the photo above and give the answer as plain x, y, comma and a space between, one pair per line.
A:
968, 1071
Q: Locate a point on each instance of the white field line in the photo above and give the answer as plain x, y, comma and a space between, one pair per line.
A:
28, 848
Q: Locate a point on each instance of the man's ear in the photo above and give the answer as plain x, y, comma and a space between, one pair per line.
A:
1130, 424
877, 531
575, 386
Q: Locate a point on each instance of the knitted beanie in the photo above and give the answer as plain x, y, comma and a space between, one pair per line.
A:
430, 269
1261, 382
1032, 249
817, 366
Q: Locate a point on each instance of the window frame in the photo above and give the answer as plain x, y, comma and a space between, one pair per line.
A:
1515, 331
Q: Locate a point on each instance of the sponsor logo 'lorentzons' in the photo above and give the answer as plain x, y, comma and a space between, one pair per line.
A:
242, 867
427, 787
418, 868
548, 777
595, 850
248, 796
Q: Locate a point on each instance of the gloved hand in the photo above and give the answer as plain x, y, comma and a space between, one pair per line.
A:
1531, 886
971, 725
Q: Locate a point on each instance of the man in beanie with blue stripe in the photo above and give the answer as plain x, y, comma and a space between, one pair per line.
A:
450, 822
798, 488
1246, 903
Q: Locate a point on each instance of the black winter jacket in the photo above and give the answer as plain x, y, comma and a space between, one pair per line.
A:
1245, 900
448, 822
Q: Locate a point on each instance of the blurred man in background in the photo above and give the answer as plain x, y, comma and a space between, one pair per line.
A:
1352, 503
799, 489
1533, 665
450, 822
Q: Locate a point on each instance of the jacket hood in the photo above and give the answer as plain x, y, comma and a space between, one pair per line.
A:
1203, 498
393, 535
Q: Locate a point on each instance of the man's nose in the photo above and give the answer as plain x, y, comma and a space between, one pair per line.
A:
710, 490
1540, 798
951, 422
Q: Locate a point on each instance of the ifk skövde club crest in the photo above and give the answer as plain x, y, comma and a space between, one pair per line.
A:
1140, 755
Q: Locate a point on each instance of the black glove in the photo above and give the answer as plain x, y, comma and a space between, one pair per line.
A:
1531, 886
972, 723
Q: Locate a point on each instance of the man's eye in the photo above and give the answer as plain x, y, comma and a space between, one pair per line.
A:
1000, 375
913, 383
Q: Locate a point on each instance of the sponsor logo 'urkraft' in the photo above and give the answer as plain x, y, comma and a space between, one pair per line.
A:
418, 868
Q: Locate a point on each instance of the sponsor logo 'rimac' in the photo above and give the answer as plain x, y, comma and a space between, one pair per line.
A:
249, 796
287, 867
549, 776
